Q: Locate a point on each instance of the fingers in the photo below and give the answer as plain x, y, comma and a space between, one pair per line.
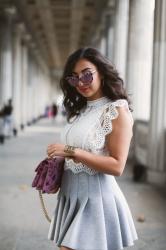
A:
49, 152
55, 149
51, 149
50, 155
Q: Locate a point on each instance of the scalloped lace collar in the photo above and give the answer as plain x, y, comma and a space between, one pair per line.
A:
98, 102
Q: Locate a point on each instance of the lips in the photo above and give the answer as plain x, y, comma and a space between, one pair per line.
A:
83, 89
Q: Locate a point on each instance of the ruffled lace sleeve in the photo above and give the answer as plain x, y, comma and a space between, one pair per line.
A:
96, 139
110, 113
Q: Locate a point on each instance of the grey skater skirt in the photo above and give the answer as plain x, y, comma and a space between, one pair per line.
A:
91, 214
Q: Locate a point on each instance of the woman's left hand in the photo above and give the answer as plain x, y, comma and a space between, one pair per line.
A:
56, 150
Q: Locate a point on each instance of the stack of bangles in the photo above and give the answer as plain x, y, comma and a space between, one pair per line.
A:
69, 149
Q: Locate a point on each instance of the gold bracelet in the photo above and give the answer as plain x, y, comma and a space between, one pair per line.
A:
69, 149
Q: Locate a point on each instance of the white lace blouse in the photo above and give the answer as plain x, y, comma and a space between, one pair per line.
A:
88, 131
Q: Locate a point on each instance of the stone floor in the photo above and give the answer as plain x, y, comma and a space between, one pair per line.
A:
22, 224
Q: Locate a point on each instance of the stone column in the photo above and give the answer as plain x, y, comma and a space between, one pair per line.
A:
110, 36
49, 90
24, 79
121, 36
107, 35
139, 62
6, 56
31, 89
102, 46
1, 63
157, 129
17, 79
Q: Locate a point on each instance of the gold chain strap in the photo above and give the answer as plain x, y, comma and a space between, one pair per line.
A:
43, 206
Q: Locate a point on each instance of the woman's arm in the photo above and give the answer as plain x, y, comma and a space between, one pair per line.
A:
117, 142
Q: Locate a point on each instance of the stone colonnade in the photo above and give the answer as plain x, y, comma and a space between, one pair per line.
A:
22, 76
138, 49
157, 124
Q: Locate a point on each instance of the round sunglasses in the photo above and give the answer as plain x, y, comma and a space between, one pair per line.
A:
86, 79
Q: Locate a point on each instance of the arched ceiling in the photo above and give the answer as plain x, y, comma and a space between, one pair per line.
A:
61, 26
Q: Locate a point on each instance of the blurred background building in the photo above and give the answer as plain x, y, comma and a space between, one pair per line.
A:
36, 37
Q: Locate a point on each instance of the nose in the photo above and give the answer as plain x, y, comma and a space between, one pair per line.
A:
80, 83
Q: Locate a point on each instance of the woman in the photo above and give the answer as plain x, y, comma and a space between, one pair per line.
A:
92, 212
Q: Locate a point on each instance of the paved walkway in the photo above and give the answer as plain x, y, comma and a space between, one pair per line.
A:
22, 224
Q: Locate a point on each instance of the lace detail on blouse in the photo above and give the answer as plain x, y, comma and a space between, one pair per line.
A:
95, 136
78, 167
110, 113
96, 139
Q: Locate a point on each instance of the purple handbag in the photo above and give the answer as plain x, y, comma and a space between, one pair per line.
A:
48, 178
49, 174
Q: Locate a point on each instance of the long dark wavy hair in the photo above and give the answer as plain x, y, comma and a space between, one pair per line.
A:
112, 88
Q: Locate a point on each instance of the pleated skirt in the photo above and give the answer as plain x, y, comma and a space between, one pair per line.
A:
91, 214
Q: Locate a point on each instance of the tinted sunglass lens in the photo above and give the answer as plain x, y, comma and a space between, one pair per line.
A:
87, 78
72, 80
